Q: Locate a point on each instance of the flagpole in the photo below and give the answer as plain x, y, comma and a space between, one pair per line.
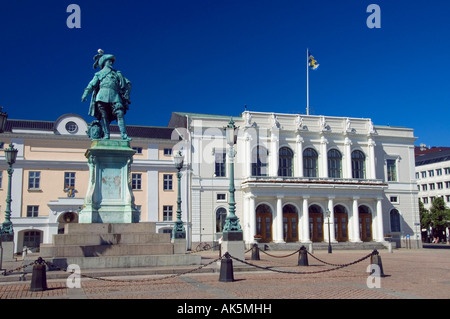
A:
307, 81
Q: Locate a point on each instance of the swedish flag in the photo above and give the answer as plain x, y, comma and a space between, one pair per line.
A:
312, 62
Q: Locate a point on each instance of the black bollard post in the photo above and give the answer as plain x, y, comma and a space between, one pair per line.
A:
39, 276
375, 259
255, 252
226, 269
303, 257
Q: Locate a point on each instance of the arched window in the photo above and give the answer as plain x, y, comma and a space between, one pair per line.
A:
221, 214
395, 221
358, 164
259, 161
334, 163
310, 162
285, 156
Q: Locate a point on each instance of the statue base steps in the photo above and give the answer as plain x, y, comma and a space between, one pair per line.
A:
115, 245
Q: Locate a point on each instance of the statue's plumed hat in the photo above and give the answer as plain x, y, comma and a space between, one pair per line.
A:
100, 58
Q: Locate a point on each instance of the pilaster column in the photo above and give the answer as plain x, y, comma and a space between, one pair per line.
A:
355, 221
274, 146
371, 159
379, 221
248, 155
279, 221
305, 221
298, 169
347, 160
252, 217
323, 171
332, 228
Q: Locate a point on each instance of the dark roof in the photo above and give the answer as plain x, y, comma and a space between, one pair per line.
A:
164, 133
436, 156
132, 130
27, 124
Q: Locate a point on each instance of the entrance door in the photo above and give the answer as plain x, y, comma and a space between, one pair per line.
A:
264, 223
365, 223
316, 223
340, 223
290, 223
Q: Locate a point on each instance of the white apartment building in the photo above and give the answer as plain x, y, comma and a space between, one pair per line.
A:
291, 169
433, 174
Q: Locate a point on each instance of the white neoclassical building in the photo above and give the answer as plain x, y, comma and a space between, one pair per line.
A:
291, 170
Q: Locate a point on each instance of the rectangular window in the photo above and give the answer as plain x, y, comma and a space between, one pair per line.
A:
424, 174
391, 170
136, 181
167, 212
138, 150
69, 179
221, 197
424, 187
439, 172
220, 159
431, 186
440, 185
1, 179
34, 179
393, 199
167, 152
447, 170
168, 182
32, 211
431, 173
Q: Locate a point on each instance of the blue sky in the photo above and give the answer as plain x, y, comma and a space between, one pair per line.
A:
215, 56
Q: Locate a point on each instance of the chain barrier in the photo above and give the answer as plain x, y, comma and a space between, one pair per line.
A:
303, 272
279, 256
226, 255
18, 268
135, 280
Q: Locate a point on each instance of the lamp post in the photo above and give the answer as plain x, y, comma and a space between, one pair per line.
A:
231, 230
328, 213
178, 230
7, 232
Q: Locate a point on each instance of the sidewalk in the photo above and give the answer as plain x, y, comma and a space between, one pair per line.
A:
410, 274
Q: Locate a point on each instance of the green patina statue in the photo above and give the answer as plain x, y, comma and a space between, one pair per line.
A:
110, 98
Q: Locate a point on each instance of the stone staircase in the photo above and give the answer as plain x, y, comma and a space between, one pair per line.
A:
114, 245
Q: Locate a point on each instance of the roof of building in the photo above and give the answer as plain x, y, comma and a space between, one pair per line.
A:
432, 155
132, 130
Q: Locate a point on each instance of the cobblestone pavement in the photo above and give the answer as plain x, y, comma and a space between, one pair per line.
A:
409, 274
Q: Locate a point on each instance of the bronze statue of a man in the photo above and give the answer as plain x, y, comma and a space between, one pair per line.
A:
110, 96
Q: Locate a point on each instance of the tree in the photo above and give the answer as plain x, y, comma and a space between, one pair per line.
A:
439, 217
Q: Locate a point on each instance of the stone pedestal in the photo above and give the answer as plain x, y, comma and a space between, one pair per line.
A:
109, 197
233, 244
7, 250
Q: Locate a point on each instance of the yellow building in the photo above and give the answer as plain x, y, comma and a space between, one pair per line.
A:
50, 176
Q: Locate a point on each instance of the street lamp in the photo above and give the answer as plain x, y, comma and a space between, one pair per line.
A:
178, 230
328, 213
7, 232
231, 230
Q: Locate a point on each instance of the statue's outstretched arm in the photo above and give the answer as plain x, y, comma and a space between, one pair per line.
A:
91, 86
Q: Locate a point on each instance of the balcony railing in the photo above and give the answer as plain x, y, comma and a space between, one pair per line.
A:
313, 180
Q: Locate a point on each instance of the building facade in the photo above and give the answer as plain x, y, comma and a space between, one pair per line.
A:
291, 170
295, 175
433, 174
